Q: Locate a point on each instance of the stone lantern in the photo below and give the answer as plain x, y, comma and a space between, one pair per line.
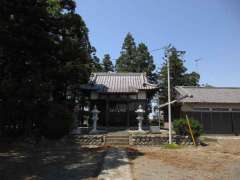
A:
95, 118
140, 118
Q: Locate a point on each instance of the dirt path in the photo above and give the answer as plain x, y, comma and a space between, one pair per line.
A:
219, 160
116, 165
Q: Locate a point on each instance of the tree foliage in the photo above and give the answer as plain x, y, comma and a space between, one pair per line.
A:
144, 62
57, 123
44, 53
135, 58
178, 74
127, 59
95, 63
107, 63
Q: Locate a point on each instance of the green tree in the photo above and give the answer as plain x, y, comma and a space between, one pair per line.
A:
135, 59
95, 62
144, 62
107, 63
178, 74
127, 59
44, 54
192, 79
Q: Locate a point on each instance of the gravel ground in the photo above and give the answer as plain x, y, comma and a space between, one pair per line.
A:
218, 160
57, 163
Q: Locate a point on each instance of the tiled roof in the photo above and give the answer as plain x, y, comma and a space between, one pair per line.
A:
209, 94
120, 82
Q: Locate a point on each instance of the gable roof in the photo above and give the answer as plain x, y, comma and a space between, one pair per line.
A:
120, 82
209, 94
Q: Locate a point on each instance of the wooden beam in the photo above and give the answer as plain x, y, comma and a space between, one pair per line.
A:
107, 112
128, 113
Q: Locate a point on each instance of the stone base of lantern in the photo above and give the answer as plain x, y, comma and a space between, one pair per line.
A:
97, 131
94, 131
76, 131
140, 130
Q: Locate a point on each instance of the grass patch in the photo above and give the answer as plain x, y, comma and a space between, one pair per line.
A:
172, 146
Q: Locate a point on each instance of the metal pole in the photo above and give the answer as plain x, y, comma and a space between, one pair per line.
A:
169, 101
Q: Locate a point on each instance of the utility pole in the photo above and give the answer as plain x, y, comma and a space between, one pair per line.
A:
169, 100
169, 54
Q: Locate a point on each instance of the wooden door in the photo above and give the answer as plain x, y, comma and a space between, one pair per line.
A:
117, 114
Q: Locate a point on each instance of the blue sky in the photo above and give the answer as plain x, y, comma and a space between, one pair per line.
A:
206, 29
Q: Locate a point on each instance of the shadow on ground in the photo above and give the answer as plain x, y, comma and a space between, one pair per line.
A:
68, 161
54, 162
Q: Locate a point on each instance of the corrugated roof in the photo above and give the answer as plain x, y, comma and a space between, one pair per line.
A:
120, 82
210, 94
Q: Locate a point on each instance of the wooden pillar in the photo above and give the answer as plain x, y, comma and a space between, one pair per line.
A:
107, 113
128, 114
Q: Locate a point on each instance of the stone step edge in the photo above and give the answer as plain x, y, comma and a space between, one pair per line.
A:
113, 139
117, 143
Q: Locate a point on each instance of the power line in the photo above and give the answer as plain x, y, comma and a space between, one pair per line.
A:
158, 49
196, 63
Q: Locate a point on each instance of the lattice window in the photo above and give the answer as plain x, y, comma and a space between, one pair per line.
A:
220, 109
201, 109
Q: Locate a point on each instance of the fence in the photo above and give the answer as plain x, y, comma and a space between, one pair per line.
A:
218, 122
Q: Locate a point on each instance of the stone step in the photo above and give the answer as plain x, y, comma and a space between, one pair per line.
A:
117, 143
117, 137
117, 140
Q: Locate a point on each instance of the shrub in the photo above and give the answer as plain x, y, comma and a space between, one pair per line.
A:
180, 126
154, 122
57, 123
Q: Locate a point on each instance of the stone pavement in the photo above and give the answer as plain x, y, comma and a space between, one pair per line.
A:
118, 132
116, 165
221, 136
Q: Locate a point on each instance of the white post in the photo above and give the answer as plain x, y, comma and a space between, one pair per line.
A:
169, 100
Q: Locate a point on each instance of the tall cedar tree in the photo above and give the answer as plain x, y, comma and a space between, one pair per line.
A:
44, 52
127, 60
144, 62
107, 63
135, 59
95, 64
178, 74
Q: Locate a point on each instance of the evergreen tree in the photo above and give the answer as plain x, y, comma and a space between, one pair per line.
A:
107, 63
144, 62
192, 79
125, 63
44, 52
178, 74
135, 59
95, 62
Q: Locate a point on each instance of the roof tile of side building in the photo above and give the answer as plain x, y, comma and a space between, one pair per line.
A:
209, 94
120, 82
